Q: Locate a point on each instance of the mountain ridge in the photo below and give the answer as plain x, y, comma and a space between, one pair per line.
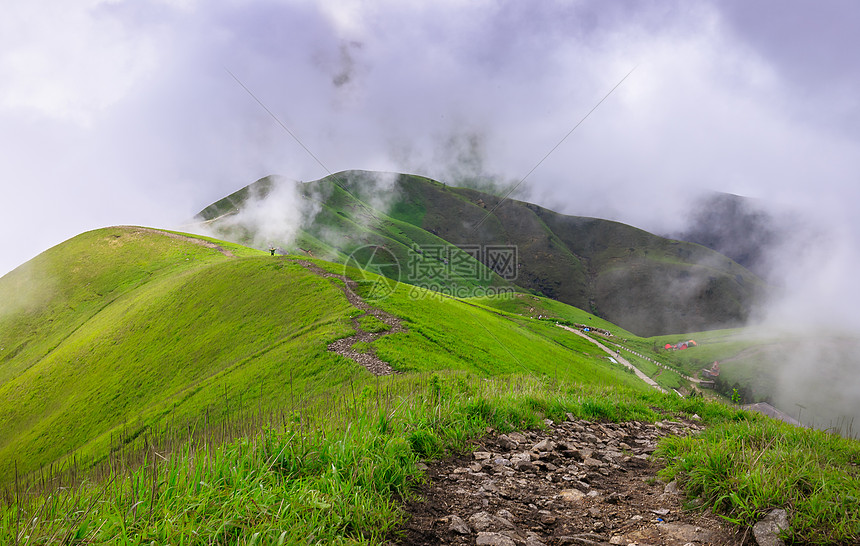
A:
646, 283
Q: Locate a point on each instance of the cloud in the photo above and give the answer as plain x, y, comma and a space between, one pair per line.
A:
123, 112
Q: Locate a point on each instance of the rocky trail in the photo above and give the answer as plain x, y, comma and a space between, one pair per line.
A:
574, 482
345, 346
577, 482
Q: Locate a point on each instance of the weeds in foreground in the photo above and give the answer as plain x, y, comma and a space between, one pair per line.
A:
332, 473
334, 470
746, 468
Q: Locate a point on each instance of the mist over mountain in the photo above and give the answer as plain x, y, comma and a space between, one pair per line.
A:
645, 283
735, 226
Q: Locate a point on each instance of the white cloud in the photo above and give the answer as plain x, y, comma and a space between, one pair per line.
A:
122, 112
69, 60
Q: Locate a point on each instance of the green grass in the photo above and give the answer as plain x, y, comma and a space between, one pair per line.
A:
743, 470
529, 305
331, 471
450, 334
371, 324
172, 342
181, 395
330, 477
123, 328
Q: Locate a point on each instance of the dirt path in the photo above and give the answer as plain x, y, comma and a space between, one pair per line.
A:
577, 482
344, 346
186, 238
617, 356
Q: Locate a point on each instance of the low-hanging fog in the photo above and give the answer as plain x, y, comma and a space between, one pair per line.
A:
126, 112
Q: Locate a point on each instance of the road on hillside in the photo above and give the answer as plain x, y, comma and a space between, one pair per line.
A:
617, 356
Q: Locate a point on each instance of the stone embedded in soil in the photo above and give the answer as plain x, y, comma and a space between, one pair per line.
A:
583, 538
571, 495
494, 539
457, 525
544, 445
507, 443
482, 521
672, 488
767, 530
524, 465
592, 462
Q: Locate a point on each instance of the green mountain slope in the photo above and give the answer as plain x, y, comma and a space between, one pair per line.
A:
646, 284
144, 324
120, 328
135, 345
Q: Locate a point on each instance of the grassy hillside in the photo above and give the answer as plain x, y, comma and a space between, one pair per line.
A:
198, 373
120, 328
642, 282
146, 325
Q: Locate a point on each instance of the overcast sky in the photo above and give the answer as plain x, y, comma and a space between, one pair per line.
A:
124, 112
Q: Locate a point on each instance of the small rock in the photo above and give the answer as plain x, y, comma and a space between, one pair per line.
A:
571, 495
523, 456
661, 511
457, 525
615, 496
548, 518
506, 442
524, 465
544, 445
494, 539
564, 445
617, 539
767, 530
592, 463
481, 521
684, 532
672, 488
582, 538
489, 486
505, 514
482, 455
